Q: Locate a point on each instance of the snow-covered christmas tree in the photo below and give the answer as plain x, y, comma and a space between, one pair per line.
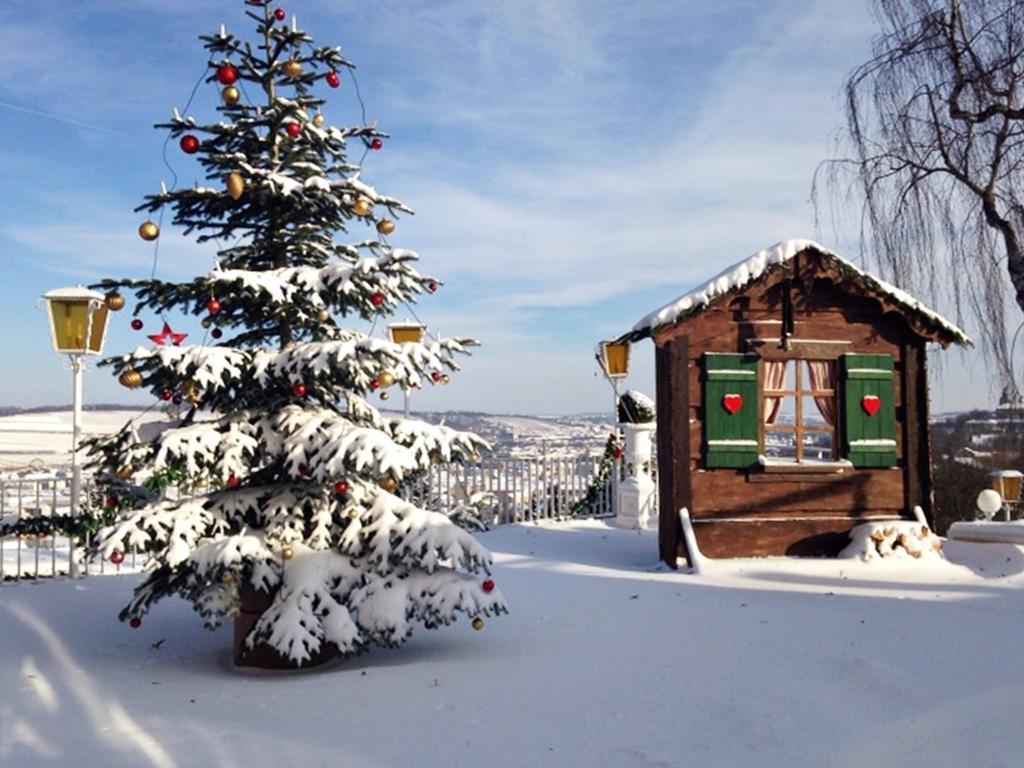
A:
302, 537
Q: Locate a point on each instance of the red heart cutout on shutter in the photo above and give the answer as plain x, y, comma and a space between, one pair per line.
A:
871, 404
732, 403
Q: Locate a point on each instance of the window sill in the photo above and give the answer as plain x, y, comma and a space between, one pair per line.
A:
806, 467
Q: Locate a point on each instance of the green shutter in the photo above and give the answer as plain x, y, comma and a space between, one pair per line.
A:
731, 439
869, 439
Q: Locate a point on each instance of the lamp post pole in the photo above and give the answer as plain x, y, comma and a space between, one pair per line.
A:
77, 368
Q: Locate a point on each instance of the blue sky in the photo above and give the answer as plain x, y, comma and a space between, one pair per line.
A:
573, 164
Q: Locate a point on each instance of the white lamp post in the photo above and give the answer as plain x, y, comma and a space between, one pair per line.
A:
406, 333
613, 357
78, 324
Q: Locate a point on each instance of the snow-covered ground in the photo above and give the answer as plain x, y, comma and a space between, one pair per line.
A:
607, 659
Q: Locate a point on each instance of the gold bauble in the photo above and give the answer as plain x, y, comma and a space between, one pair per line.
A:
292, 68
318, 120
474, 457
362, 206
445, 379
227, 577
323, 315
478, 623
236, 185
386, 378
124, 472
388, 483
115, 301
148, 230
191, 391
130, 378
287, 553
385, 226
385, 395
353, 513
231, 95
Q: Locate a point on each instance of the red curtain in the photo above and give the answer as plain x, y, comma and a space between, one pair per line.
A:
822, 374
774, 372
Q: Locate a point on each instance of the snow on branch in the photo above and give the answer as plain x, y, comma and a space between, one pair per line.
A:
429, 442
324, 444
400, 531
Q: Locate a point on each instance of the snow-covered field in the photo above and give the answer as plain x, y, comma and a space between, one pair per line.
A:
607, 659
43, 438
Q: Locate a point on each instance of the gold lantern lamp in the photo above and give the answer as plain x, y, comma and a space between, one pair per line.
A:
614, 359
78, 320
1007, 483
406, 332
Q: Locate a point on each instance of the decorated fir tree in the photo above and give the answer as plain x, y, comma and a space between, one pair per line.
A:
303, 536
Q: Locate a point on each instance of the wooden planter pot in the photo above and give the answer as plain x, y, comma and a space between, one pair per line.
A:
253, 603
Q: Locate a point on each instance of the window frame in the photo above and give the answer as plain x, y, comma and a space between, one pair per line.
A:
798, 428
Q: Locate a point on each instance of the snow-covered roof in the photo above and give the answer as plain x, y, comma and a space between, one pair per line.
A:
740, 275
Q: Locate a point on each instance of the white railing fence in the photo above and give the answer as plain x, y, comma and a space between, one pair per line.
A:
494, 490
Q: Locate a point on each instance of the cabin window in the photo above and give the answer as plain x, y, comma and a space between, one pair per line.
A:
799, 410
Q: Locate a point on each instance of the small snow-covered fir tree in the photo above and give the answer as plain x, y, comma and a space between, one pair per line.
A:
303, 537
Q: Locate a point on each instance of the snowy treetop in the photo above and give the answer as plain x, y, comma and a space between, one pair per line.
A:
739, 276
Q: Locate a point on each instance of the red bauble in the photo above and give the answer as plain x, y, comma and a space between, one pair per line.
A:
293, 129
303, 470
213, 306
233, 482
189, 144
333, 79
374, 384
618, 454
216, 333
431, 287
436, 376
377, 299
135, 622
111, 501
488, 585
166, 394
341, 487
136, 324
279, 14
117, 557
227, 74
376, 144
299, 389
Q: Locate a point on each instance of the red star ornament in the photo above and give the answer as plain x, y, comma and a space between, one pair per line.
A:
161, 339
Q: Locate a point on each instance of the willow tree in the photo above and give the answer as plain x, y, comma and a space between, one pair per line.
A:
935, 134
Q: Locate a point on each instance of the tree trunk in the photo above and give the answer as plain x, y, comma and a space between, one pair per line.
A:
253, 603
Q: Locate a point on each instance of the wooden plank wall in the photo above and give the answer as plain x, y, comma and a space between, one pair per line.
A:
749, 513
673, 435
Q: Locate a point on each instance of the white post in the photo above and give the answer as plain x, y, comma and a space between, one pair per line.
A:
634, 499
408, 399
77, 367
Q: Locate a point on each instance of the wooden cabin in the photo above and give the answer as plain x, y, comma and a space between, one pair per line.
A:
792, 405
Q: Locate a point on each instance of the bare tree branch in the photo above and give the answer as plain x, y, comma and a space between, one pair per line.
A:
935, 136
